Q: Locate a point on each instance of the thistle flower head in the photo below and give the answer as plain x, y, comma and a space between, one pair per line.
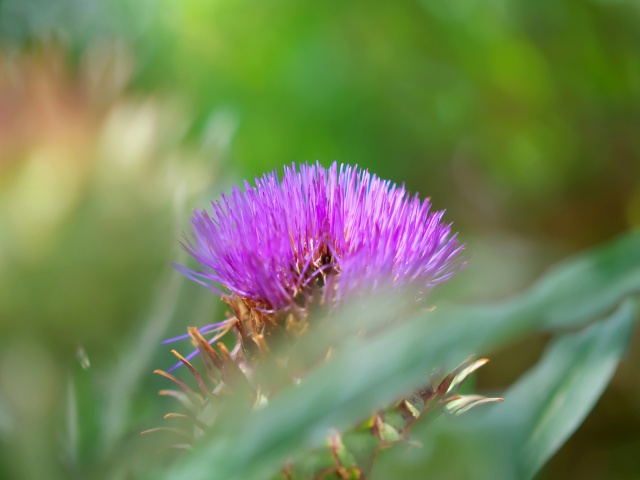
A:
319, 234
273, 249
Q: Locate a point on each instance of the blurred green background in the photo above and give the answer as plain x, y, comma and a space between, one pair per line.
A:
116, 118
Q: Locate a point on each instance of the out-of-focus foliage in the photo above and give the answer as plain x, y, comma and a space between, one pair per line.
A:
117, 117
89, 190
92, 194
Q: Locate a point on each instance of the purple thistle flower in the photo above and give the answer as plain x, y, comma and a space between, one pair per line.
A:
319, 234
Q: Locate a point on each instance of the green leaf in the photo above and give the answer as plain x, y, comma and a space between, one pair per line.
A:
553, 399
370, 371
587, 285
572, 294
515, 438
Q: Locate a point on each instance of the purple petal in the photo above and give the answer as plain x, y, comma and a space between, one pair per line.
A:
264, 241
